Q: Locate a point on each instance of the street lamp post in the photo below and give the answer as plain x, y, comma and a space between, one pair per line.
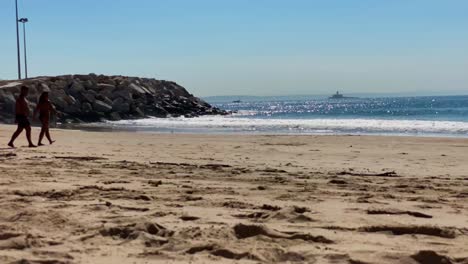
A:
24, 21
18, 41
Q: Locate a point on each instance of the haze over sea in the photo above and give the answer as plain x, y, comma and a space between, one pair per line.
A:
412, 116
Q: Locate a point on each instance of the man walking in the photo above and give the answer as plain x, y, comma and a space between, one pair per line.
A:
22, 114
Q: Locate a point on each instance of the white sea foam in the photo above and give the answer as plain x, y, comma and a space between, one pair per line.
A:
303, 126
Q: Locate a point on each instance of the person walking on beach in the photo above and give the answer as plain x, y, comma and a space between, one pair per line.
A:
44, 108
22, 114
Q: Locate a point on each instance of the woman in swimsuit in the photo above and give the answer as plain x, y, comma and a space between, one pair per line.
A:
44, 108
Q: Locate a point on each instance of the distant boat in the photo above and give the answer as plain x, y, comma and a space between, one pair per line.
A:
340, 96
237, 101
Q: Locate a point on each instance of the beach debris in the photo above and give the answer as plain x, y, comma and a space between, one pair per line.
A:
292, 214
229, 254
200, 248
361, 174
143, 197
214, 166
273, 170
174, 164
432, 257
219, 251
397, 212
190, 198
270, 207
237, 205
338, 182
300, 210
134, 231
412, 230
155, 183
8, 155
242, 231
85, 158
255, 215
115, 182
189, 218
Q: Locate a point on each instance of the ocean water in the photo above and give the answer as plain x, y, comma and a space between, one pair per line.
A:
412, 116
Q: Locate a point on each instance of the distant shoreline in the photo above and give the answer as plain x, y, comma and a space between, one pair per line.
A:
230, 98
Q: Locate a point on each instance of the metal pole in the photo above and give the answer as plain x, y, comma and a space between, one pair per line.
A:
25, 54
18, 41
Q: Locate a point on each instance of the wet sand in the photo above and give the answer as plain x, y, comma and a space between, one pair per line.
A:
99, 197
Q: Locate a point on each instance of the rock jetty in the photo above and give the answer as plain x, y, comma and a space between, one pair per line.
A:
94, 98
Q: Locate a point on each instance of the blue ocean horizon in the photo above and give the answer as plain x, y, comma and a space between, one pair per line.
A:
411, 116
433, 108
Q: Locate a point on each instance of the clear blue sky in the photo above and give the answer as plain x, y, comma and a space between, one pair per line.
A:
251, 47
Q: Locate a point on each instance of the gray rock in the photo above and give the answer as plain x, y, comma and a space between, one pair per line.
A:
44, 88
58, 85
90, 97
114, 116
90, 85
139, 112
76, 88
122, 108
69, 99
119, 105
100, 106
105, 86
134, 88
59, 102
118, 101
9, 101
106, 89
105, 99
94, 93
86, 107
123, 84
151, 90
124, 93
106, 93
73, 108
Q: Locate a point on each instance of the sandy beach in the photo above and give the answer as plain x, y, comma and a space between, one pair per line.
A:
101, 197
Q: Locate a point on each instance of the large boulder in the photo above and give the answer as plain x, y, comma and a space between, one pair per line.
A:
120, 105
134, 88
106, 89
73, 109
76, 88
86, 108
139, 113
89, 96
8, 99
43, 87
104, 99
100, 106
124, 93
59, 102
114, 116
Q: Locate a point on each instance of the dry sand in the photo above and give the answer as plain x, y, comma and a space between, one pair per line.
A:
97, 197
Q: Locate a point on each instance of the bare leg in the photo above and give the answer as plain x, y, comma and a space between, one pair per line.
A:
48, 136
28, 136
41, 136
15, 135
